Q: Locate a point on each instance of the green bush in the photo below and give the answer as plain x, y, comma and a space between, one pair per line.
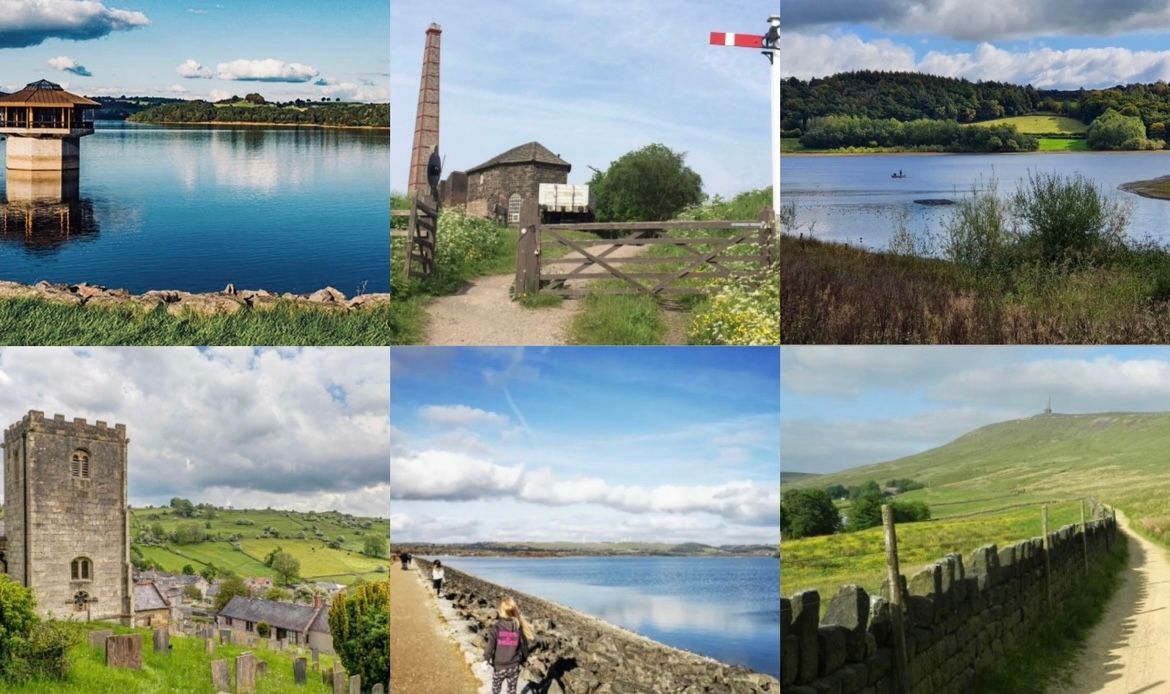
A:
1112, 130
910, 511
463, 242
359, 620
807, 512
651, 184
17, 616
742, 312
42, 654
263, 629
1069, 220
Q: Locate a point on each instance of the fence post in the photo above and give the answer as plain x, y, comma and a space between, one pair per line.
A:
901, 668
528, 249
1085, 537
1047, 557
767, 235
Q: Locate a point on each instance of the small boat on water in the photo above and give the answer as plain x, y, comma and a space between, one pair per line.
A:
898, 175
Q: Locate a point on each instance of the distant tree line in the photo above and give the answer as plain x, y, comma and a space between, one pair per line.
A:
835, 132
908, 96
260, 111
811, 512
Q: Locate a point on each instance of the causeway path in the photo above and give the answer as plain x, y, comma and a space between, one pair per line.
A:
423, 659
1129, 650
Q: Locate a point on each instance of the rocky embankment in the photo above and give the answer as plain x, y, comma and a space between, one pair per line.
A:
230, 300
576, 653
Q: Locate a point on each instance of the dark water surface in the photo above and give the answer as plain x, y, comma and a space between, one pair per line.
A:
854, 200
196, 208
724, 608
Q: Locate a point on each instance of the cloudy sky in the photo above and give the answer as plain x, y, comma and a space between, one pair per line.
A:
585, 445
295, 429
1062, 44
842, 407
284, 49
591, 81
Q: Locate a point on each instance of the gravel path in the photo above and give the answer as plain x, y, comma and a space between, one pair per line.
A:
1129, 651
423, 659
484, 313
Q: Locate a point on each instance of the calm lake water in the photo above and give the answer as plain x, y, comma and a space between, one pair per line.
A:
854, 200
196, 208
727, 609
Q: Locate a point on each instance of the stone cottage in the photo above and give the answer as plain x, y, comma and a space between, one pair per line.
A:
302, 625
151, 608
496, 187
66, 527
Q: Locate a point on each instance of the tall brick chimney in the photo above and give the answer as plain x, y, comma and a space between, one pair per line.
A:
426, 124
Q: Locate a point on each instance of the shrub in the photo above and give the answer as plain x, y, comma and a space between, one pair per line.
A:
359, 620
263, 630
742, 312
807, 512
463, 243
650, 184
17, 616
42, 654
1069, 219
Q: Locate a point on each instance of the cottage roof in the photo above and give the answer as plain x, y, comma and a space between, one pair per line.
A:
321, 621
148, 597
530, 153
45, 93
284, 615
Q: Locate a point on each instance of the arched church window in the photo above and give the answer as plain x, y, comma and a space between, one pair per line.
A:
79, 464
81, 569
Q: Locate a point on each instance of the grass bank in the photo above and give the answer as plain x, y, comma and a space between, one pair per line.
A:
40, 322
1158, 188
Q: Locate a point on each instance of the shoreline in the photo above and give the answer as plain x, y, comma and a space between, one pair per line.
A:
237, 124
831, 153
1141, 188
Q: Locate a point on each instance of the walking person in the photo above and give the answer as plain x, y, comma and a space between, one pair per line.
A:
507, 645
437, 575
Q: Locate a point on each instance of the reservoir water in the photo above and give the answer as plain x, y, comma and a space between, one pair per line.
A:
724, 608
853, 199
196, 208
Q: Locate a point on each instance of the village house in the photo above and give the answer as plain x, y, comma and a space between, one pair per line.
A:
497, 187
151, 609
302, 625
172, 586
257, 585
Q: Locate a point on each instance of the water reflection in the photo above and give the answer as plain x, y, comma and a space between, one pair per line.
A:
44, 210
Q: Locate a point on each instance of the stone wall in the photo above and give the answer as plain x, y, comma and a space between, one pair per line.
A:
494, 186
64, 517
962, 616
573, 652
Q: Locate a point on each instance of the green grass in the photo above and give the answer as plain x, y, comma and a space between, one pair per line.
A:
1063, 144
542, 300
187, 668
791, 145
39, 322
1158, 188
1041, 124
617, 319
318, 560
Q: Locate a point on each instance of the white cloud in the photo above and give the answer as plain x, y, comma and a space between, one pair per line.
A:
219, 95
268, 70
67, 64
31, 22
192, 69
176, 89
460, 415
348, 91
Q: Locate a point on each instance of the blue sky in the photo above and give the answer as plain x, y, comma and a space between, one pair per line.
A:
585, 444
591, 81
301, 429
284, 49
842, 407
1061, 44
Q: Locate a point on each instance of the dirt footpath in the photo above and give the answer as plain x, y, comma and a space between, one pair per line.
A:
484, 313
423, 660
1129, 651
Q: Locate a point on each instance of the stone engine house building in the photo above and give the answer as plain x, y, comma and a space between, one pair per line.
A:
497, 187
66, 532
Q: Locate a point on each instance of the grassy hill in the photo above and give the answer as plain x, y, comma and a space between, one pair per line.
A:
989, 485
1056, 133
186, 669
304, 535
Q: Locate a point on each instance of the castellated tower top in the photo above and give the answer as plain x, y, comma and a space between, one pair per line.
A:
36, 421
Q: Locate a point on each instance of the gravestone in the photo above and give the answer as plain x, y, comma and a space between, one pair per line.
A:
245, 674
219, 676
124, 651
272, 645
98, 638
299, 671
355, 684
209, 644
377, 689
225, 637
338, 680
327, 677
162, 640
316, 655
261, 668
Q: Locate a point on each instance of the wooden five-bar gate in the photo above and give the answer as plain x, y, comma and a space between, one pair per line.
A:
420, 233
718, 254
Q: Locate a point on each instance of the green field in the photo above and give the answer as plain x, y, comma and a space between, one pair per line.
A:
318, 560
1042, 124
1063, 144
998, 477
186, 669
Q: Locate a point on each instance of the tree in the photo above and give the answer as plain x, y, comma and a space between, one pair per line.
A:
229, 588
255, 98
209, 572
188, 534
277, 594
17, 615
865, 511
188, 570
359, 622
837, 491
375, 545
651, 184
286, 566
183, 508
192, 592
807, 512
263, 630
1113, 130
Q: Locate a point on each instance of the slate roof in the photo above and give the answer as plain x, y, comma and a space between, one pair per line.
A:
148, 597
45, 93
321, 622
530, 153
285, 615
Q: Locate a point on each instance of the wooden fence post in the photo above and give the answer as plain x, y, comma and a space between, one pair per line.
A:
767, 236
901, 666
1047, 556
528, 249
1085, 537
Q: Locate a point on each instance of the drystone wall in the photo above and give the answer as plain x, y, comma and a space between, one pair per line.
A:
961, 616
573, 652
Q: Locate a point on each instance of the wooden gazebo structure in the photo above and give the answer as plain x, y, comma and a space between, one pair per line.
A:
45, 124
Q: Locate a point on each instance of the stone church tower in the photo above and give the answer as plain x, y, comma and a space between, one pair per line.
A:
66, 517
